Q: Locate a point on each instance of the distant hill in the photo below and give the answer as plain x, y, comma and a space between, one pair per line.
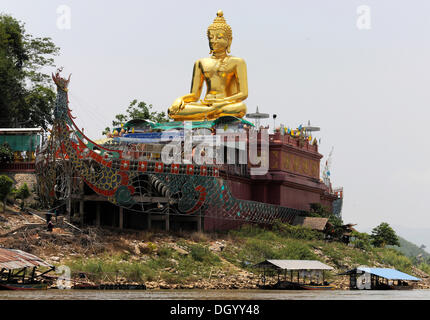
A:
410, 250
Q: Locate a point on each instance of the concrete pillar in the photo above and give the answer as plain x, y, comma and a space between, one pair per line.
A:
98, 215
199, 223
81, 212
81, 202
167, 219
69, 201
149, 221
121, 218
70, 212
69, 209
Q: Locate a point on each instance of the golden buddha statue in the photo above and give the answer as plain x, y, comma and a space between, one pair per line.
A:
225, 78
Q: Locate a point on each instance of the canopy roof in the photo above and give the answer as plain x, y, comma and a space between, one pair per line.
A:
103, 141
390, 274
228, 119
16, 259
20, 130
294, 265
180, 124
314, 223
21, 141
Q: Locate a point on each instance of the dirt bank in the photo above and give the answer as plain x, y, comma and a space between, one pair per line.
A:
170, 261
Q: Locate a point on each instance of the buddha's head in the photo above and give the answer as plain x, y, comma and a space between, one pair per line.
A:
219, 35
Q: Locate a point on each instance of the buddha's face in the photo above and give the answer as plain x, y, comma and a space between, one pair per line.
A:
218, 41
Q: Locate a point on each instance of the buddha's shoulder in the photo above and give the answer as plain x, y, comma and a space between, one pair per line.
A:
231, 59
203, 60
236, 59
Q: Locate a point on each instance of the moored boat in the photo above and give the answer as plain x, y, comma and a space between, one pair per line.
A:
384, 286
288, 285
23, 286
317, 287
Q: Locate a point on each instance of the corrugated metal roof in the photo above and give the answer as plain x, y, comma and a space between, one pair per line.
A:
21, 129
295, 264
390, 274
16, 259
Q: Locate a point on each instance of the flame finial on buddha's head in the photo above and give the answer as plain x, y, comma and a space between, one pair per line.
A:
220, 23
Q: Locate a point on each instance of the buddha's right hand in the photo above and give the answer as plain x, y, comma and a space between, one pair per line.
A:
177, 106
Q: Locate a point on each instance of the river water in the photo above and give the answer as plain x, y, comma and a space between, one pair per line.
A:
215, 295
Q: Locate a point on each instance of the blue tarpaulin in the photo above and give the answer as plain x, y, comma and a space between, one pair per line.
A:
166, 135
390, 274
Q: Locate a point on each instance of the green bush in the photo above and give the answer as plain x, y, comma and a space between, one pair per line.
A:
171, 278
137, 272
395, 259
165, 252
248, 231
361, 241
23, 193
150, 248
424, 267
6, 153
318, 210
203, 254
104, 268
257, 250
335, 253
296, 232
125, 256
279, 230
297, 250
6, 184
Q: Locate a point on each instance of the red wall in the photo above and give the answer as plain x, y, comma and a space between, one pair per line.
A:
296, 198
292, 181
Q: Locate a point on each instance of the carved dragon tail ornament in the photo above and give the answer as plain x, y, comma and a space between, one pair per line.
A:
82, 152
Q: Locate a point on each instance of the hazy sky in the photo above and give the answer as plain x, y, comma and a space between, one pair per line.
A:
307, 60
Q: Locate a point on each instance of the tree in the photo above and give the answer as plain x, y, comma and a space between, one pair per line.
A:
383, 235
138, 110
361, 240
6, 184
27, 97
337, 224
318, 210
6, 153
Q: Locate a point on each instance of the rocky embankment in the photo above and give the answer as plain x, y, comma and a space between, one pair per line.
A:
159, 260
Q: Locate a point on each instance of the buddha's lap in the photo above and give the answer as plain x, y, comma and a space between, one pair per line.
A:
231, 107
197, 111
